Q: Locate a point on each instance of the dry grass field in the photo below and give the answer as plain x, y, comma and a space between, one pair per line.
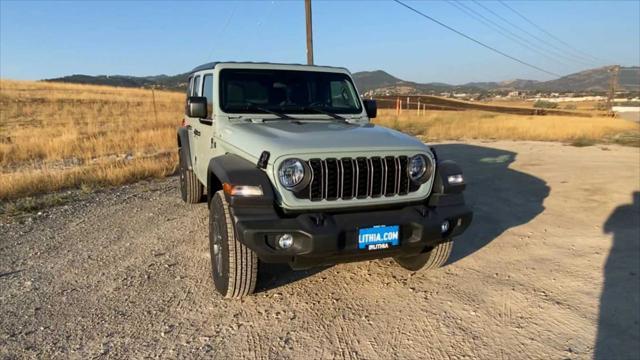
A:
58, 136
460, 125
55, 136
567, 105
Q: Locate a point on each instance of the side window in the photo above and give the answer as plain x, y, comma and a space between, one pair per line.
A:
207, 91
190, 86
195, 91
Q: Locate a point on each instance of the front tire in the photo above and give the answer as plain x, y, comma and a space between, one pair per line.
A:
191, 189
433, 259
234, 266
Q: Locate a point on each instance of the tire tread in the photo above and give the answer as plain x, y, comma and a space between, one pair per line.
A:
243, 262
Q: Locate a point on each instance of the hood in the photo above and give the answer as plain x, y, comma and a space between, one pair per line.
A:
318, 136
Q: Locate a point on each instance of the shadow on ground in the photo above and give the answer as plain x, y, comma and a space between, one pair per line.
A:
619, 320
500, 197
272, 276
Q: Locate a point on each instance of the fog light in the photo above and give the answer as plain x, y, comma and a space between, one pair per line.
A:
444, 227
285, 241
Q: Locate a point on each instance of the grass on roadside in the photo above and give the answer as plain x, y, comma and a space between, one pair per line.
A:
460, 125
56, 136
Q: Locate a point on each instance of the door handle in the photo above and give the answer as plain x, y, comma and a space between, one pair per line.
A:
196, 132
206, 121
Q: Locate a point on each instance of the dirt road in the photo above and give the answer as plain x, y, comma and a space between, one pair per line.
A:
549, 269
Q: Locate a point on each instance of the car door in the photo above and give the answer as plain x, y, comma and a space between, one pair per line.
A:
192, 123
188, 121
204, 129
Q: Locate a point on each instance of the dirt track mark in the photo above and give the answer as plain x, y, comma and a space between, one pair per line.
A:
125, 273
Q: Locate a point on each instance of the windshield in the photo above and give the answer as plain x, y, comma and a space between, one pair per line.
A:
287, 91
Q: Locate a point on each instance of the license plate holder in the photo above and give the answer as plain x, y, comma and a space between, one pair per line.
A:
378, 237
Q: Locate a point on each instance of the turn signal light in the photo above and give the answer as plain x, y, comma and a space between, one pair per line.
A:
455, 179
242, 190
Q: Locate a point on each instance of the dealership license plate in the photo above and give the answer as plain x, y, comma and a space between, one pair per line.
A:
378, 237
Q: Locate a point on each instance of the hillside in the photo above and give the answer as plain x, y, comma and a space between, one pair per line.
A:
596, 80
174, 82
592, 80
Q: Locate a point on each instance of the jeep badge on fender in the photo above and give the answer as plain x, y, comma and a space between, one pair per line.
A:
300, 175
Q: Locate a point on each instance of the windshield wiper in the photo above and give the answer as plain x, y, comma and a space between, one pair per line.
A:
318, 110
322, 111
254, 107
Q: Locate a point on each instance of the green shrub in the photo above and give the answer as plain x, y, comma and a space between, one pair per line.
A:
582, 142
543, 104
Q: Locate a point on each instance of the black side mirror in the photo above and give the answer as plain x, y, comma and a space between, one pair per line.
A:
371, 108
196, 107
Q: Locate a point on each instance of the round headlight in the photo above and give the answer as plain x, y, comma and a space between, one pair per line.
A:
419, 168
291, 173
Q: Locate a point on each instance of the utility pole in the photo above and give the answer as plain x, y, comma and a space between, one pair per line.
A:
613, 83
307, 8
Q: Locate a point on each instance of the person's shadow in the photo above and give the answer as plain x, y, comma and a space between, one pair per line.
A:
499, 197
619, 319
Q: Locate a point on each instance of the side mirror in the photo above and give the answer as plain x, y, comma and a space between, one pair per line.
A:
371, 108
196, 107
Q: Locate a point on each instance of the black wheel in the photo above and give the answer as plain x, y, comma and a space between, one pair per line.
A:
234, 267
190, 187
433, 259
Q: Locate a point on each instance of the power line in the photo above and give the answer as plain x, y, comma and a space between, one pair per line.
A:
476, 41
224, 28
503, 31
562, 52
549, 33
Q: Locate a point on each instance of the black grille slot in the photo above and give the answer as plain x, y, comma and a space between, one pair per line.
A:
377, 177
316, 185
348, 185
391, 176
403, 187
333, 179
362, 183
348, 178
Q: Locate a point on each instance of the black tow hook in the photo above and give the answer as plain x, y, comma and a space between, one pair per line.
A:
318, 219
422, 210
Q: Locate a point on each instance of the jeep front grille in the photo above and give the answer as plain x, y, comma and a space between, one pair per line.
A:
359, 178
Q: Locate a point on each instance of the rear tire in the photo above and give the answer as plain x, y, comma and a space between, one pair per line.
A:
234, 267
191, 189
433, 259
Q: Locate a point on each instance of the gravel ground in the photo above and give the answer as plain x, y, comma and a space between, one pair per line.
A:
549, 269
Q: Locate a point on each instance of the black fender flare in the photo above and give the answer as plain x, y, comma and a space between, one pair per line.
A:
443, 193
441, 185
184, 149
233, 169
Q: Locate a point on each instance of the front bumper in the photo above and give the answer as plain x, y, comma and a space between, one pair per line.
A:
329, 238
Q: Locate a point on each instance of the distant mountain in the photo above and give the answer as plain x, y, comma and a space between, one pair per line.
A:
367, 80
594, 80
379, 81
175, 82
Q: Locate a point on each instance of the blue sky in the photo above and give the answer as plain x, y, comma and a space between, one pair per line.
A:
50, 39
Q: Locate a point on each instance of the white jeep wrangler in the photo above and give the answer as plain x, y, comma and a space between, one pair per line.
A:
295, 172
